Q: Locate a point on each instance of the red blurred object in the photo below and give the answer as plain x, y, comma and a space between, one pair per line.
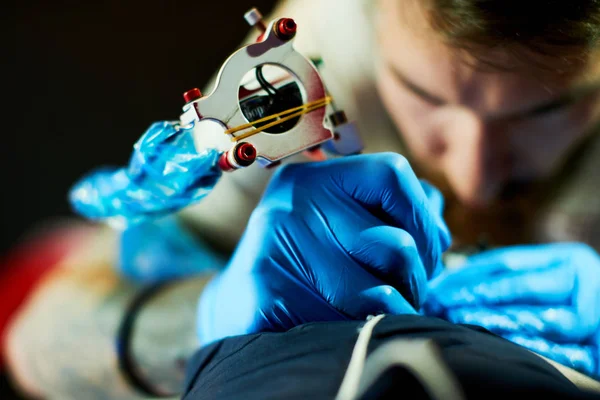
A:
315, 154
24, 267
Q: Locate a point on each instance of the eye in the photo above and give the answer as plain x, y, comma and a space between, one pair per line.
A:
554, 107
422, 94
415, 89
546, 109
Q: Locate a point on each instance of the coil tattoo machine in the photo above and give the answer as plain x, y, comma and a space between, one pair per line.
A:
268, 103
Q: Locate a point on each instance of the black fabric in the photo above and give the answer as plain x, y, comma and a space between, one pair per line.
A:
385, 387
310, 361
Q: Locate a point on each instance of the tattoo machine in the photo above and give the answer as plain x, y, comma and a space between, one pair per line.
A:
268, 102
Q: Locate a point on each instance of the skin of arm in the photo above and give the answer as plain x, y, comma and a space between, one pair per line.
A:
62, 343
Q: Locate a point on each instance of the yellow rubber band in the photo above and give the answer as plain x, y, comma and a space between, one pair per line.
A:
277, 122
296, 112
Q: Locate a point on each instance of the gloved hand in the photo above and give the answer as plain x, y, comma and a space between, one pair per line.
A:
544, 297
166, 173
335, 240
162, 249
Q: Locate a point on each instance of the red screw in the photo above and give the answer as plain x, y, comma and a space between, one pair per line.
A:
240, 156
286, 28
192, 94
246, 153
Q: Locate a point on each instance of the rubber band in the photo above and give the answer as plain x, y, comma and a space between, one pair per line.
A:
325, 100
296, 112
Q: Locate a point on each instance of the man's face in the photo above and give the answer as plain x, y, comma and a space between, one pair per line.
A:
482, 129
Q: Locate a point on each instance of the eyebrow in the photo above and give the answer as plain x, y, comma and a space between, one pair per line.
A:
557, 103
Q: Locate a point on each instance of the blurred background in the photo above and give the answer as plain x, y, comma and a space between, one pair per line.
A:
85, 80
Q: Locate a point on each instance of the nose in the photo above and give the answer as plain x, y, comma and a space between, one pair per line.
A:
473, 153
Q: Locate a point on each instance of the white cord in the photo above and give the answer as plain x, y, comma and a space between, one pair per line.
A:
421, 357
351, 381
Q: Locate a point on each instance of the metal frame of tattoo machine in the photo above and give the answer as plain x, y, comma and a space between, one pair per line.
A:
285, 122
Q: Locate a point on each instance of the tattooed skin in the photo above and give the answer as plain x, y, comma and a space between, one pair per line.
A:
167, 325
62, 344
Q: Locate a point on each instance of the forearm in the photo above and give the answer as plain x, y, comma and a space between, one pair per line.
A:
164, 334
62, 344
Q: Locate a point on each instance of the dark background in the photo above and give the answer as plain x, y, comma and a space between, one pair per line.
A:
83, 80
88, 78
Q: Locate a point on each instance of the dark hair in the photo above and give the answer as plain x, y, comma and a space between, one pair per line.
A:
561, 29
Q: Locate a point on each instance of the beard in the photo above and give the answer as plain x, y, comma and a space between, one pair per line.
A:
509, 219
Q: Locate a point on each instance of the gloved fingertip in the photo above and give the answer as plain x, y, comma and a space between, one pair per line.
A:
385, 299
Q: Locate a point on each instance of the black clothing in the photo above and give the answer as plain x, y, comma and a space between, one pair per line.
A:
309, 362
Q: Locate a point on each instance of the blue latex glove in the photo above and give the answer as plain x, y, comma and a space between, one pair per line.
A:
335, 240
162, 249
544, 297
165, 174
